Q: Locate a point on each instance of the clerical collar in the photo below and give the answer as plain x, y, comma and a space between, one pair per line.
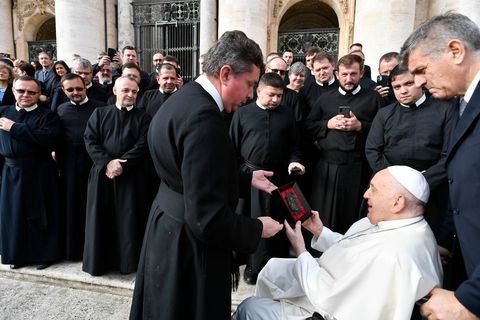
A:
471, 88
329, 82
81, 102
89, 85
208, 86
260, 105
28, 109
354, 92
120, 107
417, 104
163, 92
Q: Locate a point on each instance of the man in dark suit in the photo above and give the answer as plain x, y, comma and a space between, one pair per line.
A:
46, 75
186, 265
444, 55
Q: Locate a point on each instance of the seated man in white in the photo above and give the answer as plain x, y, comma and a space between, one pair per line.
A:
376, 271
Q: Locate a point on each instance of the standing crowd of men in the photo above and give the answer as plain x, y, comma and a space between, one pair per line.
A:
82, 169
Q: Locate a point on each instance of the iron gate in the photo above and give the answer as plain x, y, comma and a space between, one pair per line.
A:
48, 46
171, 27
299, 41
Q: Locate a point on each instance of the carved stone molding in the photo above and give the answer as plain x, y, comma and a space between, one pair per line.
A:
28, 8
276, 7
344, 5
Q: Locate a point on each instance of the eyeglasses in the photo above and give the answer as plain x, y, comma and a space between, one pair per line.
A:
28, 92
280, 72
74, 89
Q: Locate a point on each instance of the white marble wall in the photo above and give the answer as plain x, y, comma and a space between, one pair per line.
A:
126, 35
382, 26
6, 36
249, 16
80, 29
208, 24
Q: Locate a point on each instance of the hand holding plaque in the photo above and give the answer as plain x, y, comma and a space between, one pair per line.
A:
294, 201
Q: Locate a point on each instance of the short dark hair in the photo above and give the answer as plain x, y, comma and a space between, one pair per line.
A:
167, 66
397, 71
313, 50
27, 68
322, 56
170, 58
236, 50
272, 80
388, 57
63, 63
356, 44
348, 60
128, 48
131, 65
71, 76
28, 78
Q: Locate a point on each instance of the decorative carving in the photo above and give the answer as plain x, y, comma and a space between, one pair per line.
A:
300, 41
276, 7
181, 11
30, 7
350, 32
344, 5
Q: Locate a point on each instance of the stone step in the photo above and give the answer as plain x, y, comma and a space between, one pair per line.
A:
70, 275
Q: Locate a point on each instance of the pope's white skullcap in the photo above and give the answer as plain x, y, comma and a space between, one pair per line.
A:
412, 180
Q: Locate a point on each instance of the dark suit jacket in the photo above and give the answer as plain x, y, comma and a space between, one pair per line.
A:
8, 97
463, 168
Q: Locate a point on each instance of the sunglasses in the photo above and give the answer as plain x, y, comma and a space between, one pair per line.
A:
76, 89
280, 72
22, 91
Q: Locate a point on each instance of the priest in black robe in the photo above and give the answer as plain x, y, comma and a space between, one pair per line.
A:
185, 270
414, 132
341, 172
153, 99
116, 140
30, 220
74, 162
265, 137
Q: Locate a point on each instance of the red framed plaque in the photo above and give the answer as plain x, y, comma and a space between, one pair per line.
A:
294, 201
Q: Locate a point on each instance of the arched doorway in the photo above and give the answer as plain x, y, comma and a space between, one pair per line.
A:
306, 24
45, 40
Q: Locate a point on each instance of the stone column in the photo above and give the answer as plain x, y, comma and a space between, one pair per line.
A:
126, 35
208, 24
250, 16
382, 26
6, 36
80, 28
112, 33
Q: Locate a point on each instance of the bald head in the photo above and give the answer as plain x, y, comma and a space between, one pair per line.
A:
125, 90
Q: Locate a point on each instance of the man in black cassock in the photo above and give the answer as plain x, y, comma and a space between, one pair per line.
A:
265, 137
414, 132
341, 173
116, 140
186, 266
30, 220
74, 162
153, 99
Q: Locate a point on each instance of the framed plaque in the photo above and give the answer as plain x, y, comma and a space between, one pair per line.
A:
294, 201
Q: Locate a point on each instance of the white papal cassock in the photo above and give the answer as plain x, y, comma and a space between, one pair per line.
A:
371, 272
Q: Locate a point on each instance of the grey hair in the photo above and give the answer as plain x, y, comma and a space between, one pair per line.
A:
81, 63
434, 34
297, 68
236, 50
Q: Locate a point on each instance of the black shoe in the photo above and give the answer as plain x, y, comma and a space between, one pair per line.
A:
16, 266
250, 276
44, 265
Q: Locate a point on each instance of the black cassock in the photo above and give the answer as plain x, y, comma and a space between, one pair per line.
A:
116, 209
341, 172
186, 262
415, 137
265, 140
31, 226
152, 100
74, 164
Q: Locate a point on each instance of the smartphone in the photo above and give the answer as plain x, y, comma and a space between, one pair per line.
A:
382, 81
345, 110
111, 53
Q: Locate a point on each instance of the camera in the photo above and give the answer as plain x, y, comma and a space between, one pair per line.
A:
383, 81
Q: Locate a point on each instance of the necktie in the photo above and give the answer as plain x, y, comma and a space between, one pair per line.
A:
463, 105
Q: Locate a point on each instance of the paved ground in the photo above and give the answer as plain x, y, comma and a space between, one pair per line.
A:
64, 291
